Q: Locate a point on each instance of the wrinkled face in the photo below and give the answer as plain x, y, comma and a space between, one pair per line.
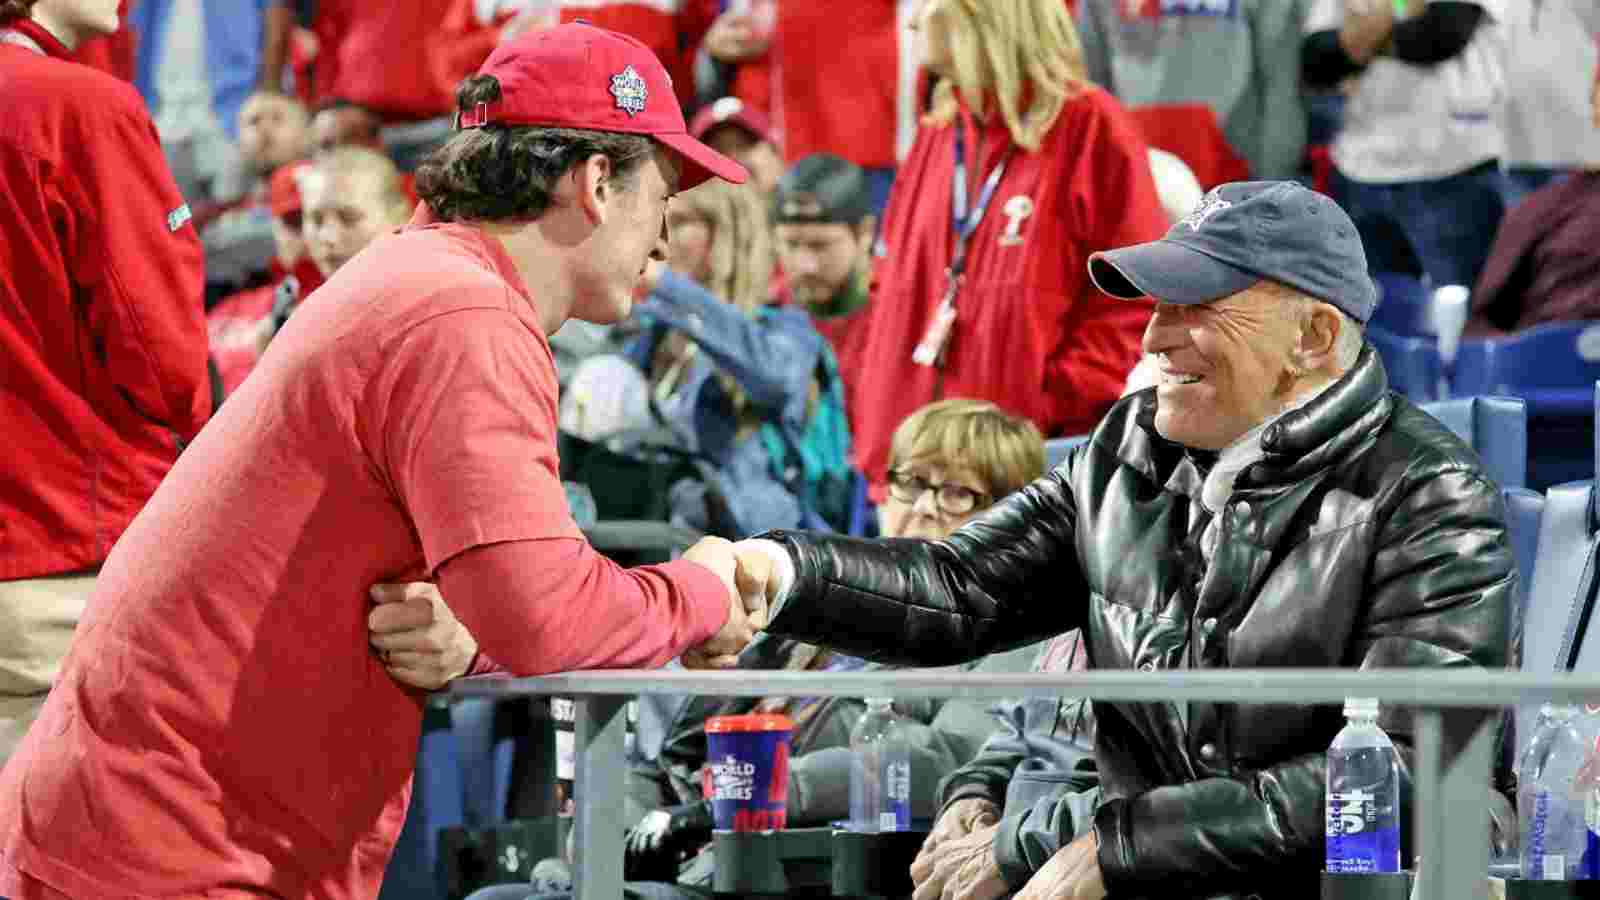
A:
633, 232
343, 213
820, 258
760, 157
272, 132
75, 21
1222, 368
932, 28
690, 249
927, 500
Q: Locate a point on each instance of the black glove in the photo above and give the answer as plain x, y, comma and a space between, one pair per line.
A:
663, 839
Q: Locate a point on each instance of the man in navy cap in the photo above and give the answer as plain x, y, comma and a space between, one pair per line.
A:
1269, 503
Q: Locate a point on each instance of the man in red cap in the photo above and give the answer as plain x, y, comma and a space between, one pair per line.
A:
238, 327
221, 727
740, 131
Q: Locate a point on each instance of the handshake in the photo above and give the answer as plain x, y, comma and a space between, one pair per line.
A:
748, 572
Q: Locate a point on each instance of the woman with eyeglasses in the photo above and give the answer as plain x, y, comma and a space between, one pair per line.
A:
950, 460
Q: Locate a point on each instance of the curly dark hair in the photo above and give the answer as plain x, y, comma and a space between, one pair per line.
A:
498, 172
15, 9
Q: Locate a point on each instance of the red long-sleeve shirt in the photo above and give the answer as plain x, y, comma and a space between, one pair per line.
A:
221, 727
1033, 335
102, 330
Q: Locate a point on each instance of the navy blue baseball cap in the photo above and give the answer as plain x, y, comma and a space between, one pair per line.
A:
1240, 234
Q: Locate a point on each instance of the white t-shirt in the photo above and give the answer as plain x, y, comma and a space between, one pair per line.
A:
1409, 123
1550, 66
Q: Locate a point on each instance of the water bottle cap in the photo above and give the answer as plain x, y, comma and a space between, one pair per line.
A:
1361, 707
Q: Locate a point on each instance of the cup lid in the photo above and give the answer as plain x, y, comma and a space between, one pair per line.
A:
749, 722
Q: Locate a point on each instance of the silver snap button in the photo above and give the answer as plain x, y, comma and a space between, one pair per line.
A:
1209, 624
1147, 666
1208, 752
1242, 509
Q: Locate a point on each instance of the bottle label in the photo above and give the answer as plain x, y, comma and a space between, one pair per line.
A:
1356, 841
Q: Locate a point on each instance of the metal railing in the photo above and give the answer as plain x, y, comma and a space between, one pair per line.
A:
1453, 741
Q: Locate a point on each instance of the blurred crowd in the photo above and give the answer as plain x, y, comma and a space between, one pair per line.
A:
874, 335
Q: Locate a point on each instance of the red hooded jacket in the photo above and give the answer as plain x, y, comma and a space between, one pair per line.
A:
102, 334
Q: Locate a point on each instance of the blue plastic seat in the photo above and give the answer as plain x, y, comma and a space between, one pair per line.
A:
1412, 363
1403, 306
1496, 427
1056, 449
1554, 367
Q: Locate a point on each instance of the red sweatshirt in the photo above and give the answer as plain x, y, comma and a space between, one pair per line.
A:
1033, 335
102, 333
400, 58
834, 102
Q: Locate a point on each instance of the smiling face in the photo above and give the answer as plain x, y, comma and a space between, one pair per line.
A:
1222, 367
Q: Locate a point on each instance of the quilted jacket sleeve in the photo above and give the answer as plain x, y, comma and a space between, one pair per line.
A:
999, 582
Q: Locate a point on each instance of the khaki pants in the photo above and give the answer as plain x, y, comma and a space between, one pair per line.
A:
37, 618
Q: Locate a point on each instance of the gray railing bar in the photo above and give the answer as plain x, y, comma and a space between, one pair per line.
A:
600, 782
1393, 687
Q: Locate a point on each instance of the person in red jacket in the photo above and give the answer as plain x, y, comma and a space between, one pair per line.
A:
221, 727
102, 338
1013, 181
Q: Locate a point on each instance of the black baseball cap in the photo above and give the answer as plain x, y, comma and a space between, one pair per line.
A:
822, 188
1243, 233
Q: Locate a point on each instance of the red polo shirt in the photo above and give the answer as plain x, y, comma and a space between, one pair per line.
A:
221, 727
1033, 334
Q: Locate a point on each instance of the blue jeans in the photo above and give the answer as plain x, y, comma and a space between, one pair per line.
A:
1441, 227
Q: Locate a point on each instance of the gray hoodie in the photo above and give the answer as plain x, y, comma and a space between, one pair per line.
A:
1240, 57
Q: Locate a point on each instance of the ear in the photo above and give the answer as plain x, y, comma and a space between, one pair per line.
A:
591, 181
1319, 338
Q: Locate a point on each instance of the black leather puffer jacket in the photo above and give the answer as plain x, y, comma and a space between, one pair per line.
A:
1368, 536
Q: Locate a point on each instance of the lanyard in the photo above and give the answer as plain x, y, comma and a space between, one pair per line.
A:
965, 221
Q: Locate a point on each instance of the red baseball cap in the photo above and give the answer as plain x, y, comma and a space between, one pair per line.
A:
283, 189
732, 111
579, 76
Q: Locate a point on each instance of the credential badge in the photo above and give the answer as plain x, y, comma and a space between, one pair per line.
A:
630, 91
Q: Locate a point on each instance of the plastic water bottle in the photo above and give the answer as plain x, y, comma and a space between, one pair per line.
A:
1554, 826
880, 775
1363, 794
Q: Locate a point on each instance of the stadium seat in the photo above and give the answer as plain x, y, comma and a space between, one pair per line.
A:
1496, 427
436, 803
1403, 306
1524, 515
1412, 363
1557, 630
1055, 449
1554, 368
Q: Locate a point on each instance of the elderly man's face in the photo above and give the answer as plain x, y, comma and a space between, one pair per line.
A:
1224, 367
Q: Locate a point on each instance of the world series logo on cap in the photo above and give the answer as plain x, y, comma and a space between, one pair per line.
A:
629, 89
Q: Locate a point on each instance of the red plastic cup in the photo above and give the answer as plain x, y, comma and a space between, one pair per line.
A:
746, 776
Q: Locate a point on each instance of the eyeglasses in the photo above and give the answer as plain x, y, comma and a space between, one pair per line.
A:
952, 499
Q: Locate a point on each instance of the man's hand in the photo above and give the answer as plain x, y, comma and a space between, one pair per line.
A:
1366, 29
746, 614
734, 38
959, 819
1072, 874
963, 868
417, 637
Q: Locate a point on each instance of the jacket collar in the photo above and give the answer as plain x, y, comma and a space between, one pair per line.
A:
30, 34
1331, 426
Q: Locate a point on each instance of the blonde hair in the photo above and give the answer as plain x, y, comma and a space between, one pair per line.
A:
1005, 53
1004, 450
360, 161
742, 254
